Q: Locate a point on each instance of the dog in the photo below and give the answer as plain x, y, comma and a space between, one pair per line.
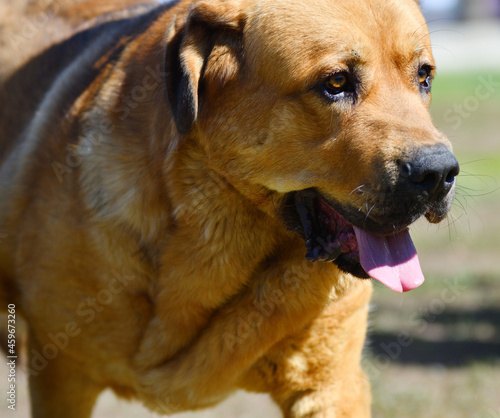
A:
195, 194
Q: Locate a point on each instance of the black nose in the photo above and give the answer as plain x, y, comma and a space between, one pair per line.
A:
432, 170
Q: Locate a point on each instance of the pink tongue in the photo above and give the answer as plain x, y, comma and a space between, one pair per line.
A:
392, 260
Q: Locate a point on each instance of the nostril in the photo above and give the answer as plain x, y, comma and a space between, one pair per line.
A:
454, 171
427, 182
405, 169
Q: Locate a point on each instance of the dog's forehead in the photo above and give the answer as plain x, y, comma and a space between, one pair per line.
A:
293, 39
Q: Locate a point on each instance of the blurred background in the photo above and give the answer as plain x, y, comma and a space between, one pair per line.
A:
434, 352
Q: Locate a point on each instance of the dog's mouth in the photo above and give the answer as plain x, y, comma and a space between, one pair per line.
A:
329, 236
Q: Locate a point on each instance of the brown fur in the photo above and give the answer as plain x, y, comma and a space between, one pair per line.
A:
143, 169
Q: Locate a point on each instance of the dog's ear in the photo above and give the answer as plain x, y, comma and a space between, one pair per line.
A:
203, 53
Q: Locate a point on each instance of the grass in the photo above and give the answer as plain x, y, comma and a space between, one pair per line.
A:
468, 113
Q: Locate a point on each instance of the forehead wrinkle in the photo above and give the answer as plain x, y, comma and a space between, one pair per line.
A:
327, 48
409, 51
406, 43
294, 35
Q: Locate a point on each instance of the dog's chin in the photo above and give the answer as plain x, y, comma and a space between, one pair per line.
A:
351, 265
328, 235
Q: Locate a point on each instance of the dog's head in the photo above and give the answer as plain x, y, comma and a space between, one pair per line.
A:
326, 104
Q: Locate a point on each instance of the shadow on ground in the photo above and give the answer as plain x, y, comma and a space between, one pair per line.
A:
471, 336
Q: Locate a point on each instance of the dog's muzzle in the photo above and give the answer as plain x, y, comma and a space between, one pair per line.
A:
378, 246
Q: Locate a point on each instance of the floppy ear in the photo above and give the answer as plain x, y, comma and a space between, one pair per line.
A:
204, 52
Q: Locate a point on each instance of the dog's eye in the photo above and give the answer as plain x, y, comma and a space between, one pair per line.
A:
425, 77
336, 82
337, 86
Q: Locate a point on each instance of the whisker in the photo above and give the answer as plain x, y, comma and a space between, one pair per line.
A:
369, 211
463, 205
466, 208
469, 189
359, 195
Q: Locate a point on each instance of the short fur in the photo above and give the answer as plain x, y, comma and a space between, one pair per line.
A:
146, 153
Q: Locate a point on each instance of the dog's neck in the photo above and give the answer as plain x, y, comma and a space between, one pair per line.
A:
179, 193
208, 201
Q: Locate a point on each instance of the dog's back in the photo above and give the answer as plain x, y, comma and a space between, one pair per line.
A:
38, 39
27, 27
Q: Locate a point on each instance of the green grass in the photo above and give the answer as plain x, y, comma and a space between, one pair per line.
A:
452, 87
468, 113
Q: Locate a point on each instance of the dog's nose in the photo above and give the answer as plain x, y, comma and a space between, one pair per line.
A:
432, 170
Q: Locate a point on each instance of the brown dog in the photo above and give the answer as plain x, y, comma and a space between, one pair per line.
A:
177, 180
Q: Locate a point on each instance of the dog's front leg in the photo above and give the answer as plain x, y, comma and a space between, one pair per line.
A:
316, 372
279, 302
